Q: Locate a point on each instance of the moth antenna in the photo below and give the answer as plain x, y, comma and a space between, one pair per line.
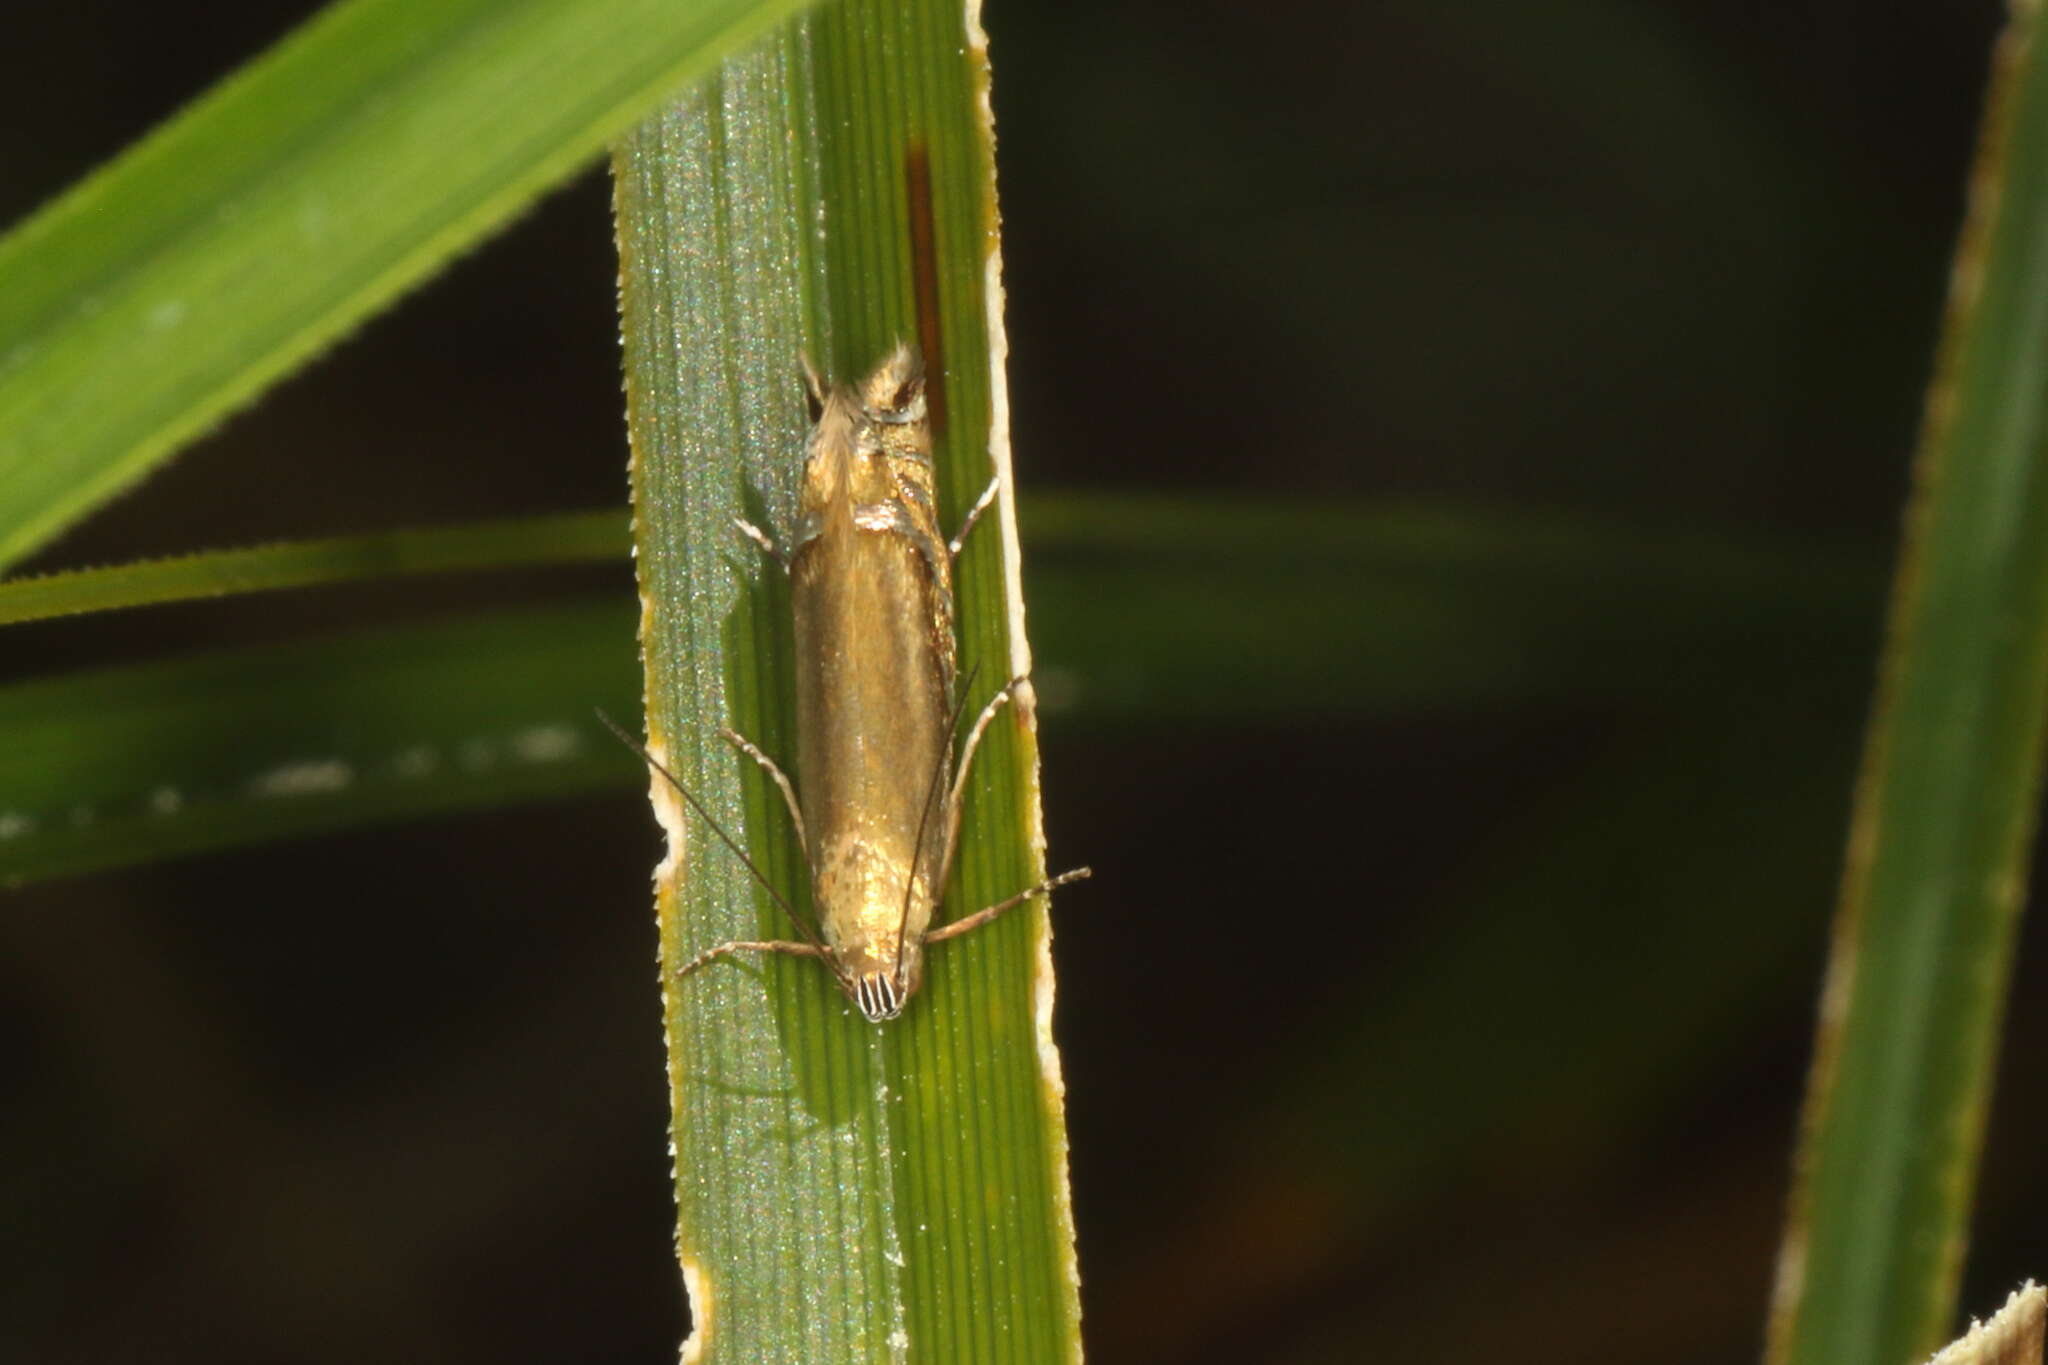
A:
814, 385
637, 747
924, 817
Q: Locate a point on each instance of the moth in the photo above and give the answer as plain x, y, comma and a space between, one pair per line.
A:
871, 590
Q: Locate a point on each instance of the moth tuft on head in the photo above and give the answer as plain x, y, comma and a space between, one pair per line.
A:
894, 394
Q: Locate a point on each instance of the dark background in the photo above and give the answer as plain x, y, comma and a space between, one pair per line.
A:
1673, 266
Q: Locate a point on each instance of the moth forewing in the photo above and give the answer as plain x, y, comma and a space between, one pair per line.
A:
871, 593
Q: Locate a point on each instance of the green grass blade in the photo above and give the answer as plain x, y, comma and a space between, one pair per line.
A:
846, 1192
1278, 607
130, 765
1945, 817
293, 201
1385, 611
1535, 965
1283, 608
571, 538
1739, 899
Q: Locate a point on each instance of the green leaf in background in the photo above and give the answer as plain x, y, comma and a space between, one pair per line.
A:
1249, 626
1946, 811
846, 1192
572, 538
293, 201
1282, 607
1540, 1029
129, 765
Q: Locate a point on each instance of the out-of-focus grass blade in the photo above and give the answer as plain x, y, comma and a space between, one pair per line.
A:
1378, 610
1946, 811
1285, 608
1592, 963
129, 765
1279, 607
292, 201
846, 1192
572, 538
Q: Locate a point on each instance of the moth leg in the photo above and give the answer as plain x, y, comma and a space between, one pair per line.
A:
981, 723
980, 917
981, 504
781, 781
726, 949
814, 385
764, 540
1002, 698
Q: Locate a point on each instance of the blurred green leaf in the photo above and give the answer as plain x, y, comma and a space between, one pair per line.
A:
149, 761
1946, 809
1288, 607
1255, 613
1574, 983
291, 202
572, 538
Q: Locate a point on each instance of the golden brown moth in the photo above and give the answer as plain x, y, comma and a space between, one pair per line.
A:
871, 589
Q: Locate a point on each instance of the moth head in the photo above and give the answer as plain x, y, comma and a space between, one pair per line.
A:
894, 392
